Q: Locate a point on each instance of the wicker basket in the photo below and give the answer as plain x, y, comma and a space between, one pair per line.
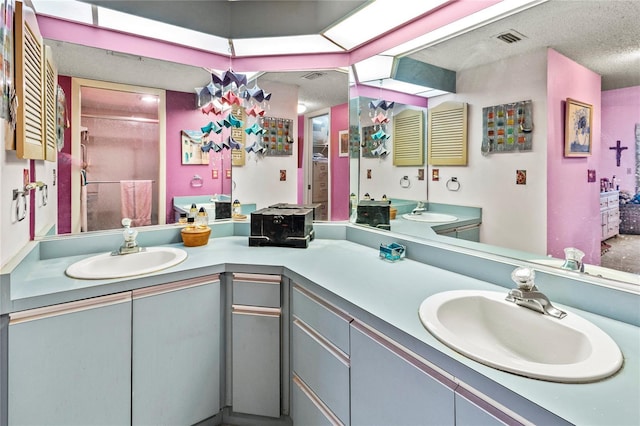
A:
194, 237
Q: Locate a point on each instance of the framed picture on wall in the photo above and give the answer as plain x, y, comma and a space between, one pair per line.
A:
343, 143
578, 128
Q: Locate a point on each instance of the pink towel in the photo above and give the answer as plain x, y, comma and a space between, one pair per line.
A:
135, 196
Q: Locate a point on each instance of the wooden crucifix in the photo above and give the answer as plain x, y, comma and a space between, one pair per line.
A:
619, 150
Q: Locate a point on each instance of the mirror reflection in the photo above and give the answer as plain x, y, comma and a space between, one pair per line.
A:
537, 204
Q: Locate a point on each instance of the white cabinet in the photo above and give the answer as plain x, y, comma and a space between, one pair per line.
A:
255, 345
176, 352
70, 364
320, 361
610, 214
391, 386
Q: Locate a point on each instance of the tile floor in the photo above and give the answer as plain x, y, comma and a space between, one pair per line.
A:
624, 253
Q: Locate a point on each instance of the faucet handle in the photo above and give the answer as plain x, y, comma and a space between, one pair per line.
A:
126, 222
524, 277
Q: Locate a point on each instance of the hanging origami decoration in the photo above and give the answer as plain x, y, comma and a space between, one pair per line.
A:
256, 93
382, 104
380, 151
255, 111
256, 147
255, 129
380, 119
211, 127
228, 77
232, 121
231, 98
214, 91
380, 135
211, 108
231, 143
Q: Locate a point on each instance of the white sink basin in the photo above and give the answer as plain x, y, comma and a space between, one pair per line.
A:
106, 266
485, 327
430, 217
595, 270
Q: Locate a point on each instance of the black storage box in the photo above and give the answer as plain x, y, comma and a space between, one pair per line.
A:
284, 227
223, 209
374, 213
313, 206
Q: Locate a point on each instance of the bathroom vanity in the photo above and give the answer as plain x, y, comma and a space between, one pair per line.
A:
344, 323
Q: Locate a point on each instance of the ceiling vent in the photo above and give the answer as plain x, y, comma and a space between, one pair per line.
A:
313, 75
510, 36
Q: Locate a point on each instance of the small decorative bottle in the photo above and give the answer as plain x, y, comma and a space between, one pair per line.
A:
202, 219
237, 208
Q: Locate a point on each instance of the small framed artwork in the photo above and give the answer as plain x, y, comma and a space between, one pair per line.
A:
578, 127
343, 143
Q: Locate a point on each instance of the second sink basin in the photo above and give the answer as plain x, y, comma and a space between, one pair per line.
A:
106, 266
430, 217
485, 327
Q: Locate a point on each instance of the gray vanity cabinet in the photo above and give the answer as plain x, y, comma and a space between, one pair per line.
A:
255, 345
473, 411
70, 364
176, 353
390, 386
320, 361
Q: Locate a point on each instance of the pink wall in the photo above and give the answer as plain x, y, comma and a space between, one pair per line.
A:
339, 165
183, 115
620, 113
573, 206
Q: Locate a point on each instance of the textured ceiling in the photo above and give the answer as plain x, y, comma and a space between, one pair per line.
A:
602, 35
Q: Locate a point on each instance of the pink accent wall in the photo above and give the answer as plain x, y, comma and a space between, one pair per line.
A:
64, 166
620, 113
573, 204
183, 115
339, 165
360, 90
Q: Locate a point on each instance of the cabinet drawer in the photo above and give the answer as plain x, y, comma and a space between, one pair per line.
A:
327, 320
613, 215
323, 368
308, 409
256, 290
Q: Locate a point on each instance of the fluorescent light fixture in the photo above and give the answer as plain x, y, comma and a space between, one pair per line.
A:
290, 45
374, 68
149, 99
69, 10
432, 93
158, 30
377, 18
468, 23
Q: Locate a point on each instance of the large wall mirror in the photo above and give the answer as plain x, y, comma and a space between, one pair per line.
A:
112, 123
521, 79
522, 219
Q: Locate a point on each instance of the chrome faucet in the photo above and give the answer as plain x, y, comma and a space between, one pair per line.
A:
130, 245
573, 259
419, 208
528, 295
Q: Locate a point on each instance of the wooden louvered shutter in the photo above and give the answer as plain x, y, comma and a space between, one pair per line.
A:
50, 93
29, 69
408, 138
447, 133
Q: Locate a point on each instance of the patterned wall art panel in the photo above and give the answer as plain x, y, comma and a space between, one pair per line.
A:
507, 127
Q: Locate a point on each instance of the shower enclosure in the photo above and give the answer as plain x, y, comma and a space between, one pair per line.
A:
120, 153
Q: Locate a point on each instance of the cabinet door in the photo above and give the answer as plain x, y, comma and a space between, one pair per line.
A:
308, 409
472, 411
70, 364
176, 353
255, 353
391, 387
